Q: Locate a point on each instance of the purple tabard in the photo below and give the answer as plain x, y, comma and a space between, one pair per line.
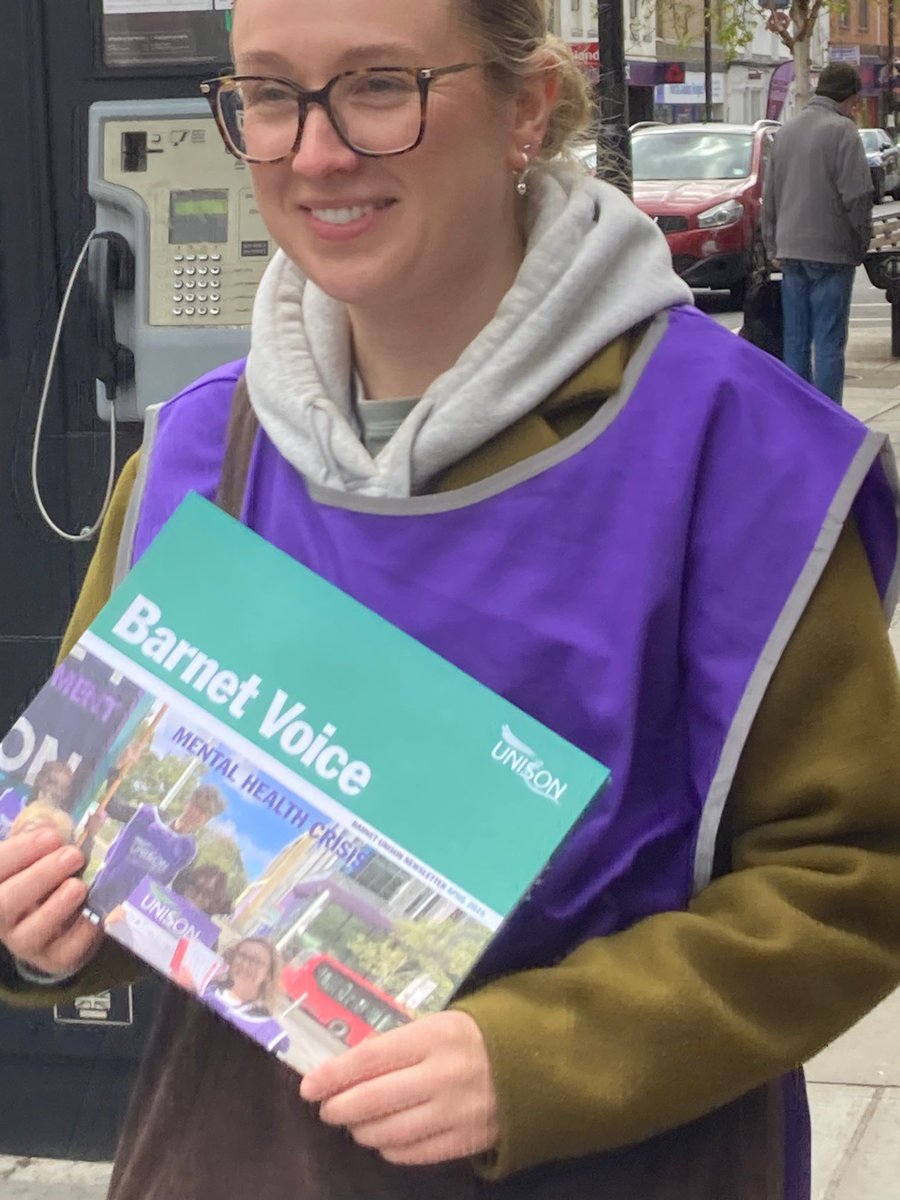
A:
621, 588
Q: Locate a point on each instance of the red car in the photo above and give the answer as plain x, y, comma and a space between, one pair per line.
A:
703, 185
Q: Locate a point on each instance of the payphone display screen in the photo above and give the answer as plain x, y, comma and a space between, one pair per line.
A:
200, 215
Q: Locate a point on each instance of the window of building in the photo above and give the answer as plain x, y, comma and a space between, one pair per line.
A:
863, 14
844, 14
381, 878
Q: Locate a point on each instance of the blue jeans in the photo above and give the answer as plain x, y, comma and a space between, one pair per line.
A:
815, 301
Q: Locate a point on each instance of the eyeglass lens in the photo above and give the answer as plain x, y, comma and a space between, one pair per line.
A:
376, 112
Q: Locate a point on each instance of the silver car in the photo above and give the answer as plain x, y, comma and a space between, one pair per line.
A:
884, 163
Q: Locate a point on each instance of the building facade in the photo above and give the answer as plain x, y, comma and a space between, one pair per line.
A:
859, 34
664, 61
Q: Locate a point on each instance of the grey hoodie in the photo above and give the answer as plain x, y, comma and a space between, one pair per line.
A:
594, 268
817, 205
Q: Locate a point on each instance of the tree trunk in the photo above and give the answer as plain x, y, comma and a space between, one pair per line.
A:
802, 86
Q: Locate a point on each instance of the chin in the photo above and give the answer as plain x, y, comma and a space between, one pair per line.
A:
353, 284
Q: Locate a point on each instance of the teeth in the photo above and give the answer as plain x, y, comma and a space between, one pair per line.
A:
342, 216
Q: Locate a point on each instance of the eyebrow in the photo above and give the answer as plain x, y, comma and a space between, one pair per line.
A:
379, 54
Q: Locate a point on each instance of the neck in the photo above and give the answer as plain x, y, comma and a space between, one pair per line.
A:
401, 348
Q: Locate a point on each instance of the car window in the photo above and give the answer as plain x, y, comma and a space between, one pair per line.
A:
765, 153
587, 156
701, 154
869, 140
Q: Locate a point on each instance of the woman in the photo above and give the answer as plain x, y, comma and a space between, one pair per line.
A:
636, 527
206, 887
245, 992
49, 803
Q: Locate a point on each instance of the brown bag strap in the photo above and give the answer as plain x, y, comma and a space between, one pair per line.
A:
242, 429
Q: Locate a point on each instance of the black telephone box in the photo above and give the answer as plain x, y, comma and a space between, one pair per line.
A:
65, 1076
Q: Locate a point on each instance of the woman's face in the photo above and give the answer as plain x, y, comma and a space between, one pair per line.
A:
249, 970
52, 784
432, 217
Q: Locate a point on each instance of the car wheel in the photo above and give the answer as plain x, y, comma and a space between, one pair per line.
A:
757, 270
737, 293
877, 187
340, 1029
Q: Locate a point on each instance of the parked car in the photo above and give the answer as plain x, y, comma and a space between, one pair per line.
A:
703, 185
883, 158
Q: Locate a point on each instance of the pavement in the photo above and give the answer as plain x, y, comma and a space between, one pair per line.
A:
854, 1084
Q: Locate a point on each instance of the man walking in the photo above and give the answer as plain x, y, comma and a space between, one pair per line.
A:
817, 212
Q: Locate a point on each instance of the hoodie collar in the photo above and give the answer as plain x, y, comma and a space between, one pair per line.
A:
594, 268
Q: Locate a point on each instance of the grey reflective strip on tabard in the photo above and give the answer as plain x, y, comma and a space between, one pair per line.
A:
500, 481
889, 466
834, 522
133, 512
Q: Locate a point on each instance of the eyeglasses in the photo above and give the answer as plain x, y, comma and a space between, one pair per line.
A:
250, 960
376, 112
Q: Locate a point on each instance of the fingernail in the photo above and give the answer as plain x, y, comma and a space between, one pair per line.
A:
46, 839
70, 858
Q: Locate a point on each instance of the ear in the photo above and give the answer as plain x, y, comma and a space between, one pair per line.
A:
533, 109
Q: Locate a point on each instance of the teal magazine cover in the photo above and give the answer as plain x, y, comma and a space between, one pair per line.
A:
287, 805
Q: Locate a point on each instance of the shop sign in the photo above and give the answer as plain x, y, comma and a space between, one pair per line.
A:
587, 55
847, 54
692, 91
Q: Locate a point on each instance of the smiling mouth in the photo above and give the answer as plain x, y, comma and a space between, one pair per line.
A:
345, 216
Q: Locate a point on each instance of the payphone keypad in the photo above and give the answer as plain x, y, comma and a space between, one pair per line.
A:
197, 282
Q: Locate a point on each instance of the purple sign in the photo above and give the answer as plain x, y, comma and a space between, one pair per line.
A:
173, 913
74, 719
779, 86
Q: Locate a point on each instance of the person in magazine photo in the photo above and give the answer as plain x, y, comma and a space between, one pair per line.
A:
245, 992
46, 804
206, 887
479, 400
149, 845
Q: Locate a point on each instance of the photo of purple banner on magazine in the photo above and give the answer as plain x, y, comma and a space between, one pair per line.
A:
289, 924
50, 756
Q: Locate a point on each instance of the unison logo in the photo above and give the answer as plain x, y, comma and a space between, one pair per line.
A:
522, 761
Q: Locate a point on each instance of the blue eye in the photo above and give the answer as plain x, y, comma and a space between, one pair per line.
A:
260, 93
388, 87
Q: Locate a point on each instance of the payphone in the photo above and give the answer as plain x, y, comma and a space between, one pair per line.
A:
102, 129
162, 181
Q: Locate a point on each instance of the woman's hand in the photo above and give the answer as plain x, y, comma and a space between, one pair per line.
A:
419, 1095
41, 902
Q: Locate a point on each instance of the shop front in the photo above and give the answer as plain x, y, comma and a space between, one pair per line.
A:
680, 103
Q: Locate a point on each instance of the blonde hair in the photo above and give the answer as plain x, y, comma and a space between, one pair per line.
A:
514, 38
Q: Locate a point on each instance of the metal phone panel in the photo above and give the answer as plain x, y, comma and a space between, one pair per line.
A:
160, 176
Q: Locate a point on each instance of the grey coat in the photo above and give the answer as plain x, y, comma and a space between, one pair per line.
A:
817, 205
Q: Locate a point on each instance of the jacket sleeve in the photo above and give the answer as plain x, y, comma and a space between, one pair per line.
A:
854, 184
651, 1028
113, 965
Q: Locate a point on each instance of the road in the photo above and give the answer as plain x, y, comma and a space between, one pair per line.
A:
868, 308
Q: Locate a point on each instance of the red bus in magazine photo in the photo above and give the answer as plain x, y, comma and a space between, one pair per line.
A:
346, 1004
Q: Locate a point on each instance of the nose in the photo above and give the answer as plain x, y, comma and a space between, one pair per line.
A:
321, 152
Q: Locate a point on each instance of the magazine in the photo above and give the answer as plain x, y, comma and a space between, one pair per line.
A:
287, 805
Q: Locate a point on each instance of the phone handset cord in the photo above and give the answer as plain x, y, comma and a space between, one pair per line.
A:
88, 532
